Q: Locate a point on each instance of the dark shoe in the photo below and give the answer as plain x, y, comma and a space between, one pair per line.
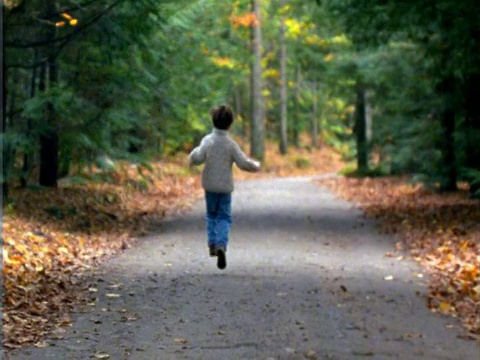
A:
221, 258
213, 250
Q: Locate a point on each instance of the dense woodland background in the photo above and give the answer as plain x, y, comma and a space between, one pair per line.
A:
393, 84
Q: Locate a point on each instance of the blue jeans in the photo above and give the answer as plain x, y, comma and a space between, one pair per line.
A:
219, 218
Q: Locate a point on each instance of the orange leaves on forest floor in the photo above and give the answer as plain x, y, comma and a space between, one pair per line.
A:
52, 235
297, 162
441, 231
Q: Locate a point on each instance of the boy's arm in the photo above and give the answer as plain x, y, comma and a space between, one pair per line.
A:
197, 156
243, 161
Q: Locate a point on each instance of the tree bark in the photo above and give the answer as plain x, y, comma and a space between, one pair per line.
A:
472, 121
3, 125
448, 126
8, 150
258, 112
237, 99
27, 156
360, 130
49, 139
447, 123
368, 120
283, 89
296, 117
315, 143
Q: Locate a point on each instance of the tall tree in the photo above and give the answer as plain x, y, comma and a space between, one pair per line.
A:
449, 35
283, 85
258, 105
49, 137
296, 108
3, 125
315, 117
361, 129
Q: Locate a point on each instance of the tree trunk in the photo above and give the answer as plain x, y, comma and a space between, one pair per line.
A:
283, 89
3, 125
368, 120
258, 111
237, 99
296, 117
28, 153
315, 143
447, 123
472, 121
49, 139
321, 116
8, 150
361, 131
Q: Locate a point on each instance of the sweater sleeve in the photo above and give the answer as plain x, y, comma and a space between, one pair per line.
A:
198, 155
243, 161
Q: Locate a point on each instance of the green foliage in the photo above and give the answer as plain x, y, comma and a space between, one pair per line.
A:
412, 50
302, 163
138, 81
472, 176
352, 171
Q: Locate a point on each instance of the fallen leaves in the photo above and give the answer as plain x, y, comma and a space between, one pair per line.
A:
180, 340
101, 355
310, 354
112, 296
51, 236
301, 161
441, 231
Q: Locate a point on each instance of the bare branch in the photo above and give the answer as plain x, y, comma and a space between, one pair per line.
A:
27, 45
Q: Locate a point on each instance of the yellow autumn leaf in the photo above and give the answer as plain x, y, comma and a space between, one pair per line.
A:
284, 9
39, 268
225, 62
294, 28
340, 40
445, 307
66, 16
63, 249
11, 259
328, 57
271, 73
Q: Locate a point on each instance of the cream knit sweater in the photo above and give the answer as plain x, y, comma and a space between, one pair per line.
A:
218, 151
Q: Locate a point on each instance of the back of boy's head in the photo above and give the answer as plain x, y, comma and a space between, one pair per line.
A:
222, 117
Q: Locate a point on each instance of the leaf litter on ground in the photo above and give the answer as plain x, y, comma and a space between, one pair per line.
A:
52, 236
440, 230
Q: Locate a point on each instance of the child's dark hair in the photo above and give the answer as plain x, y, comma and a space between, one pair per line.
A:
222, 117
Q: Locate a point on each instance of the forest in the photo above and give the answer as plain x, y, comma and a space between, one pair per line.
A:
102, 95
121, 80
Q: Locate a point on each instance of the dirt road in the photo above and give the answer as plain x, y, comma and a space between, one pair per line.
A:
307, 278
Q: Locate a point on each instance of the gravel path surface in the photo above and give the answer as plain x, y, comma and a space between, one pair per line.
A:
307, 278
